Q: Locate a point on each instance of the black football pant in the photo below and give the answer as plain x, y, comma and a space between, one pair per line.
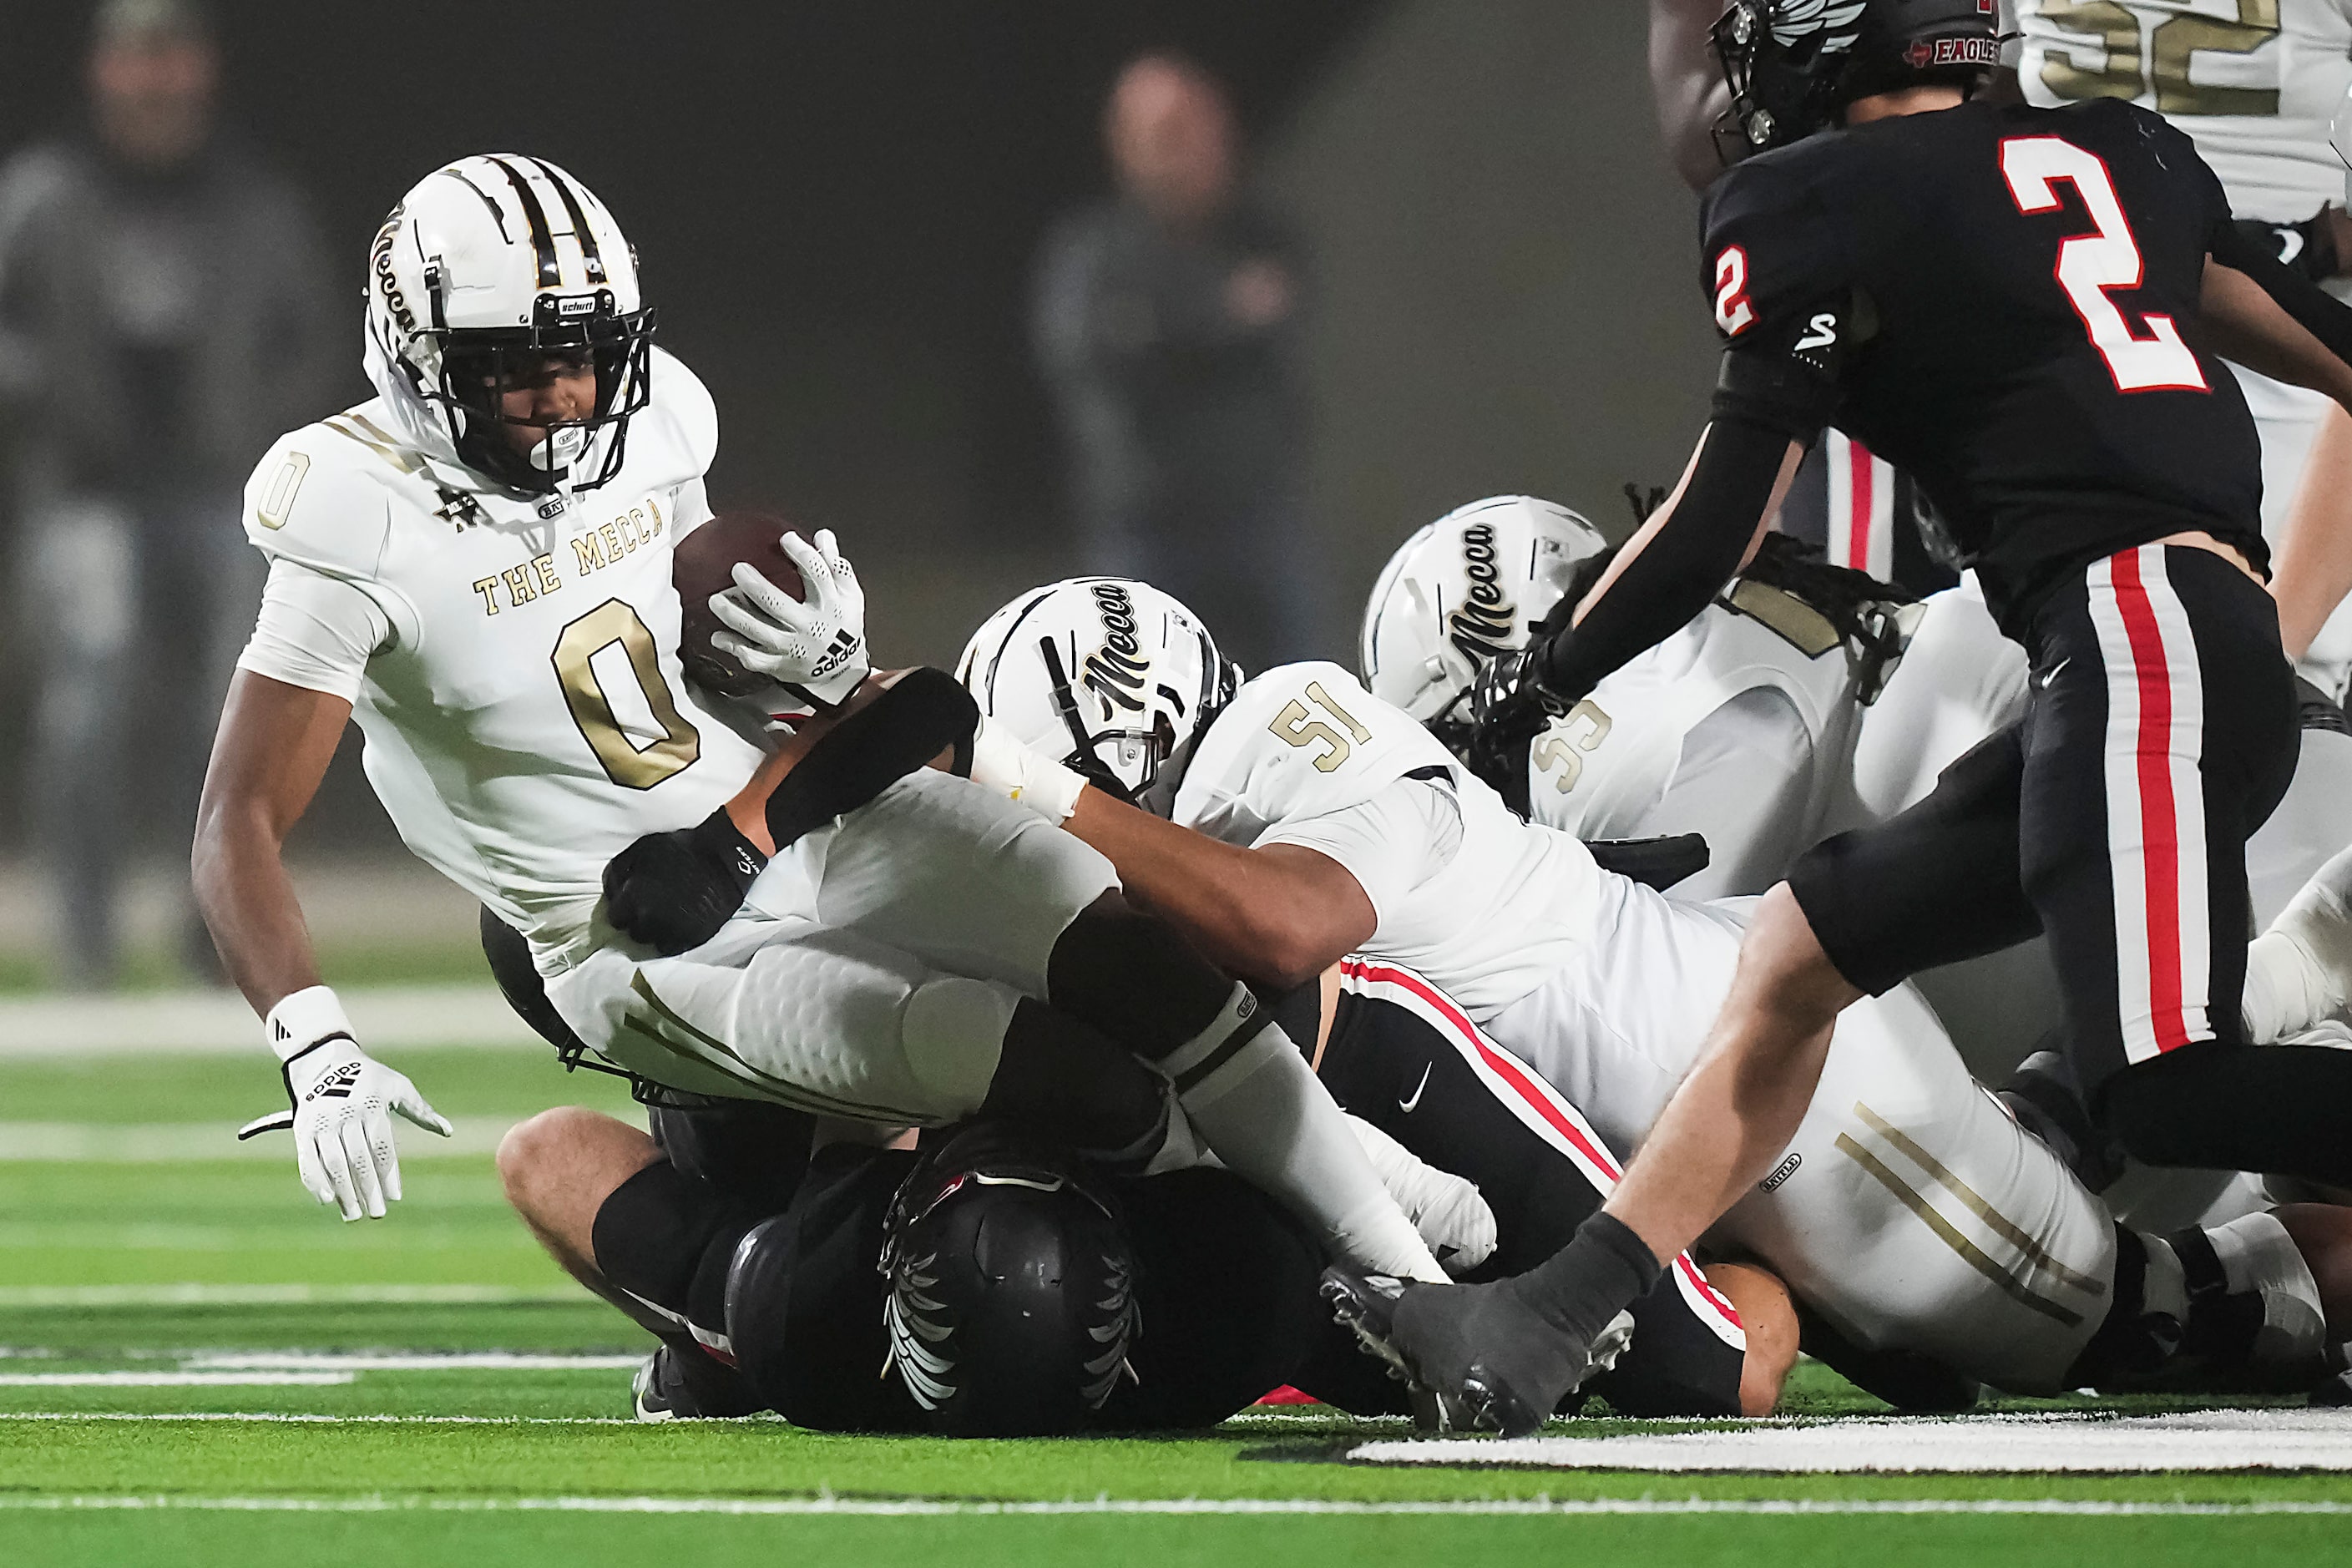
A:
1402, 1056
2113, 817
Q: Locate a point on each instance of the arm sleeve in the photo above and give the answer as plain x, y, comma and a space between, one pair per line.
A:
1682, 566
2320, 313
1391, 841
315, 631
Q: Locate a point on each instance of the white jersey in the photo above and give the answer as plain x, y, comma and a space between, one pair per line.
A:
1737, 727
2253, 82
1910, 1209
1483, 904
512, 661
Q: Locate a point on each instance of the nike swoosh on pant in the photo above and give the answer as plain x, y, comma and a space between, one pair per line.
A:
1406, 1105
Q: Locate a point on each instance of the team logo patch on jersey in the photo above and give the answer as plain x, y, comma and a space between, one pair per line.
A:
1482, 627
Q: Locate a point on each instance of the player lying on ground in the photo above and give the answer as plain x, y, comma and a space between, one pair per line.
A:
476, 565
1323, 809
2100, 472
1228, 1303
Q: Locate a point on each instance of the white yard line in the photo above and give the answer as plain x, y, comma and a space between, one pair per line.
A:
186, 1295
894, 1508
455, 1361
218, 1023
175, 1379
2198, 1440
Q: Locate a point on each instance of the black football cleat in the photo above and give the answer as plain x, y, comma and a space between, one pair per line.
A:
682, 1383
1490, 1359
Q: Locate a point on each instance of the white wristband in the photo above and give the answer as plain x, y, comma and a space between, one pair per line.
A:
304, 1019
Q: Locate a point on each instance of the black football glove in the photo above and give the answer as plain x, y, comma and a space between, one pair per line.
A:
1509, 706
2306, 249
673, 890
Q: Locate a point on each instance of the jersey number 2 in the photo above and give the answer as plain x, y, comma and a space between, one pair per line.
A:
2091, 264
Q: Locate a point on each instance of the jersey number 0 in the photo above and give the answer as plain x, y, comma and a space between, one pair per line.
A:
616, 624
2091, 264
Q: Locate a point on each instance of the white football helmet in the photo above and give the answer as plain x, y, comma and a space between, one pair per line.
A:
1109, 677
1465, 588
485, 269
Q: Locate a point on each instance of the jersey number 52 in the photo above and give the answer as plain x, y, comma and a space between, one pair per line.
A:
2091, 264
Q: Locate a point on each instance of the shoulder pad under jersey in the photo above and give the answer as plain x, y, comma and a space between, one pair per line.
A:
323, 496
1299, 741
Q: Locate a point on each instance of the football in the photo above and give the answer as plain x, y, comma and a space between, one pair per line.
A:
704, 565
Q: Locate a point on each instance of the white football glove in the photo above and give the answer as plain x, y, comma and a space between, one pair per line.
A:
816, 643
1449, 1211
340, 1103
1027, 777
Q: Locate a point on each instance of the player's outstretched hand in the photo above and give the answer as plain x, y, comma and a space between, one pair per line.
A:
673, 890
817, 643
340, 1105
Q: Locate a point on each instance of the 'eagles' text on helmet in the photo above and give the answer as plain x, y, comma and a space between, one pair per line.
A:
485, 271
1109, 675
1011, 1287
1465, 588
1794, 65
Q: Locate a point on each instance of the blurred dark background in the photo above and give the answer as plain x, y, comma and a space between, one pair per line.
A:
839, 208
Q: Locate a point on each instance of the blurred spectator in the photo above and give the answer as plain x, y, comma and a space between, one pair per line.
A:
163, 315
1166, 323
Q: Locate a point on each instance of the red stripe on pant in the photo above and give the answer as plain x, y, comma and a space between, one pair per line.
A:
1534, 1092
1861, 506
2159, 812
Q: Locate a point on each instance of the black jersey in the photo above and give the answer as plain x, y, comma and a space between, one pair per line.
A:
2000, 299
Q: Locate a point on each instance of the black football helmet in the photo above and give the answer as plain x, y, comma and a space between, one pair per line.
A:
1794, 65
1012, 1301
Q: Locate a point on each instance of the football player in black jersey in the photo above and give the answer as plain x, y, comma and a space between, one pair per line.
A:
2020, 307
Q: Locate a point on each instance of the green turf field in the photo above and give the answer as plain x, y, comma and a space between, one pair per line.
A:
282, 1434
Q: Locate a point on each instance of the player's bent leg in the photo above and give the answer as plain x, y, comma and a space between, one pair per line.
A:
1244, 1084
938, 868
617, 1216
557, 1169
1923, 1226
2166, 733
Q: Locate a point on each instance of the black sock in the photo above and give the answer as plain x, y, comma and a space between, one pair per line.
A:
1599, 1273
2280, 1110
666, 1238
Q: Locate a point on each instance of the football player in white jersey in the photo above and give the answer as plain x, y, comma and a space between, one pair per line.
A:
2256, 89
1739, 727
476, 565
1912, 1213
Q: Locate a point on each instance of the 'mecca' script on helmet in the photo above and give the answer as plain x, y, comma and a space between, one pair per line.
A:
1482, 626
